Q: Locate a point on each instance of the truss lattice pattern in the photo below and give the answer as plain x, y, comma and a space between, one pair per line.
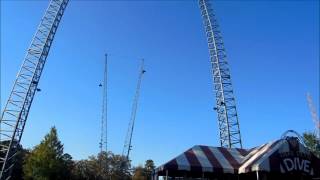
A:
127, 144
17, 108
225, 101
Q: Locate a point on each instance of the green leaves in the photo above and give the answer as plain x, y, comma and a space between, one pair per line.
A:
47, 160
104, 166
144, 173
312, 142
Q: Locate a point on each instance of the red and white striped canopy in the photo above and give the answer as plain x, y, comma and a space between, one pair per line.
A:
278, 156
282, 156
207, 159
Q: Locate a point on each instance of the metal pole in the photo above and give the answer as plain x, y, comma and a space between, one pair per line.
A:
166, 174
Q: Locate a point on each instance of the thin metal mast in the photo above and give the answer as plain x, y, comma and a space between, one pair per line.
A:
127, 145
104, 132
17, 108
225, 101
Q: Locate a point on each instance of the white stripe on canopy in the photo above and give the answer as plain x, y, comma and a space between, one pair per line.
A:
183, 163
205, 163
227, 168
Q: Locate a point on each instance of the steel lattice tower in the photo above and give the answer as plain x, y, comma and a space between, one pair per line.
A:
103, 135
104, 123
17, 108
225, 100
127, 145
314, 116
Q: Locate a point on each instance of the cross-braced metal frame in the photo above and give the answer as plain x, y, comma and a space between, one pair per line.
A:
225, 101
17, 108
127, 144
103, 133
103, 145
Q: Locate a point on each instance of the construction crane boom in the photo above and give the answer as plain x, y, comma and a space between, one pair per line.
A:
225, 101
16, 110
314, 115
127, 145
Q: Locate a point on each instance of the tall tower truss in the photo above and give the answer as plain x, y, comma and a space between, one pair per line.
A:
314, 115
225, 100
127, 145
103, 135
17, 108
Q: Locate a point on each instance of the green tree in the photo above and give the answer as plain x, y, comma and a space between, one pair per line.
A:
312, 142
119, 167
85, 170
47, 160
139, 173
144, 173
149, 167
104, 166
17, 171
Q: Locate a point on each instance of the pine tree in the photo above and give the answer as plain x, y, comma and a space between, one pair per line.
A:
47, 160
312, 142
149, 167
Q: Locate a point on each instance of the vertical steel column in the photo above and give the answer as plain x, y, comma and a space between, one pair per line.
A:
17, 108
225, 100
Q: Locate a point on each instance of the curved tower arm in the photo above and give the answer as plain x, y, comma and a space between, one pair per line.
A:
17, 108
225, 100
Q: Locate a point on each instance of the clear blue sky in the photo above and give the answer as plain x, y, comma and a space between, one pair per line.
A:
272, 47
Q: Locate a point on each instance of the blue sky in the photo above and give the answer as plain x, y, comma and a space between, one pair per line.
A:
272, 48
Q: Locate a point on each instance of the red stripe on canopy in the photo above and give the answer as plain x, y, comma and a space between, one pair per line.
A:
233, 162
243, 152
193, 160
212, 159
171, 165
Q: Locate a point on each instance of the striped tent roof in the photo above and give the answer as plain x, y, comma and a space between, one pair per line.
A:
267, 157
207, 159
271, 156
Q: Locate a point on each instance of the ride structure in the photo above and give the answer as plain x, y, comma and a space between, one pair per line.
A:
16, 110
127, 145
228, 122
314, 116
103, 133
103, 145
